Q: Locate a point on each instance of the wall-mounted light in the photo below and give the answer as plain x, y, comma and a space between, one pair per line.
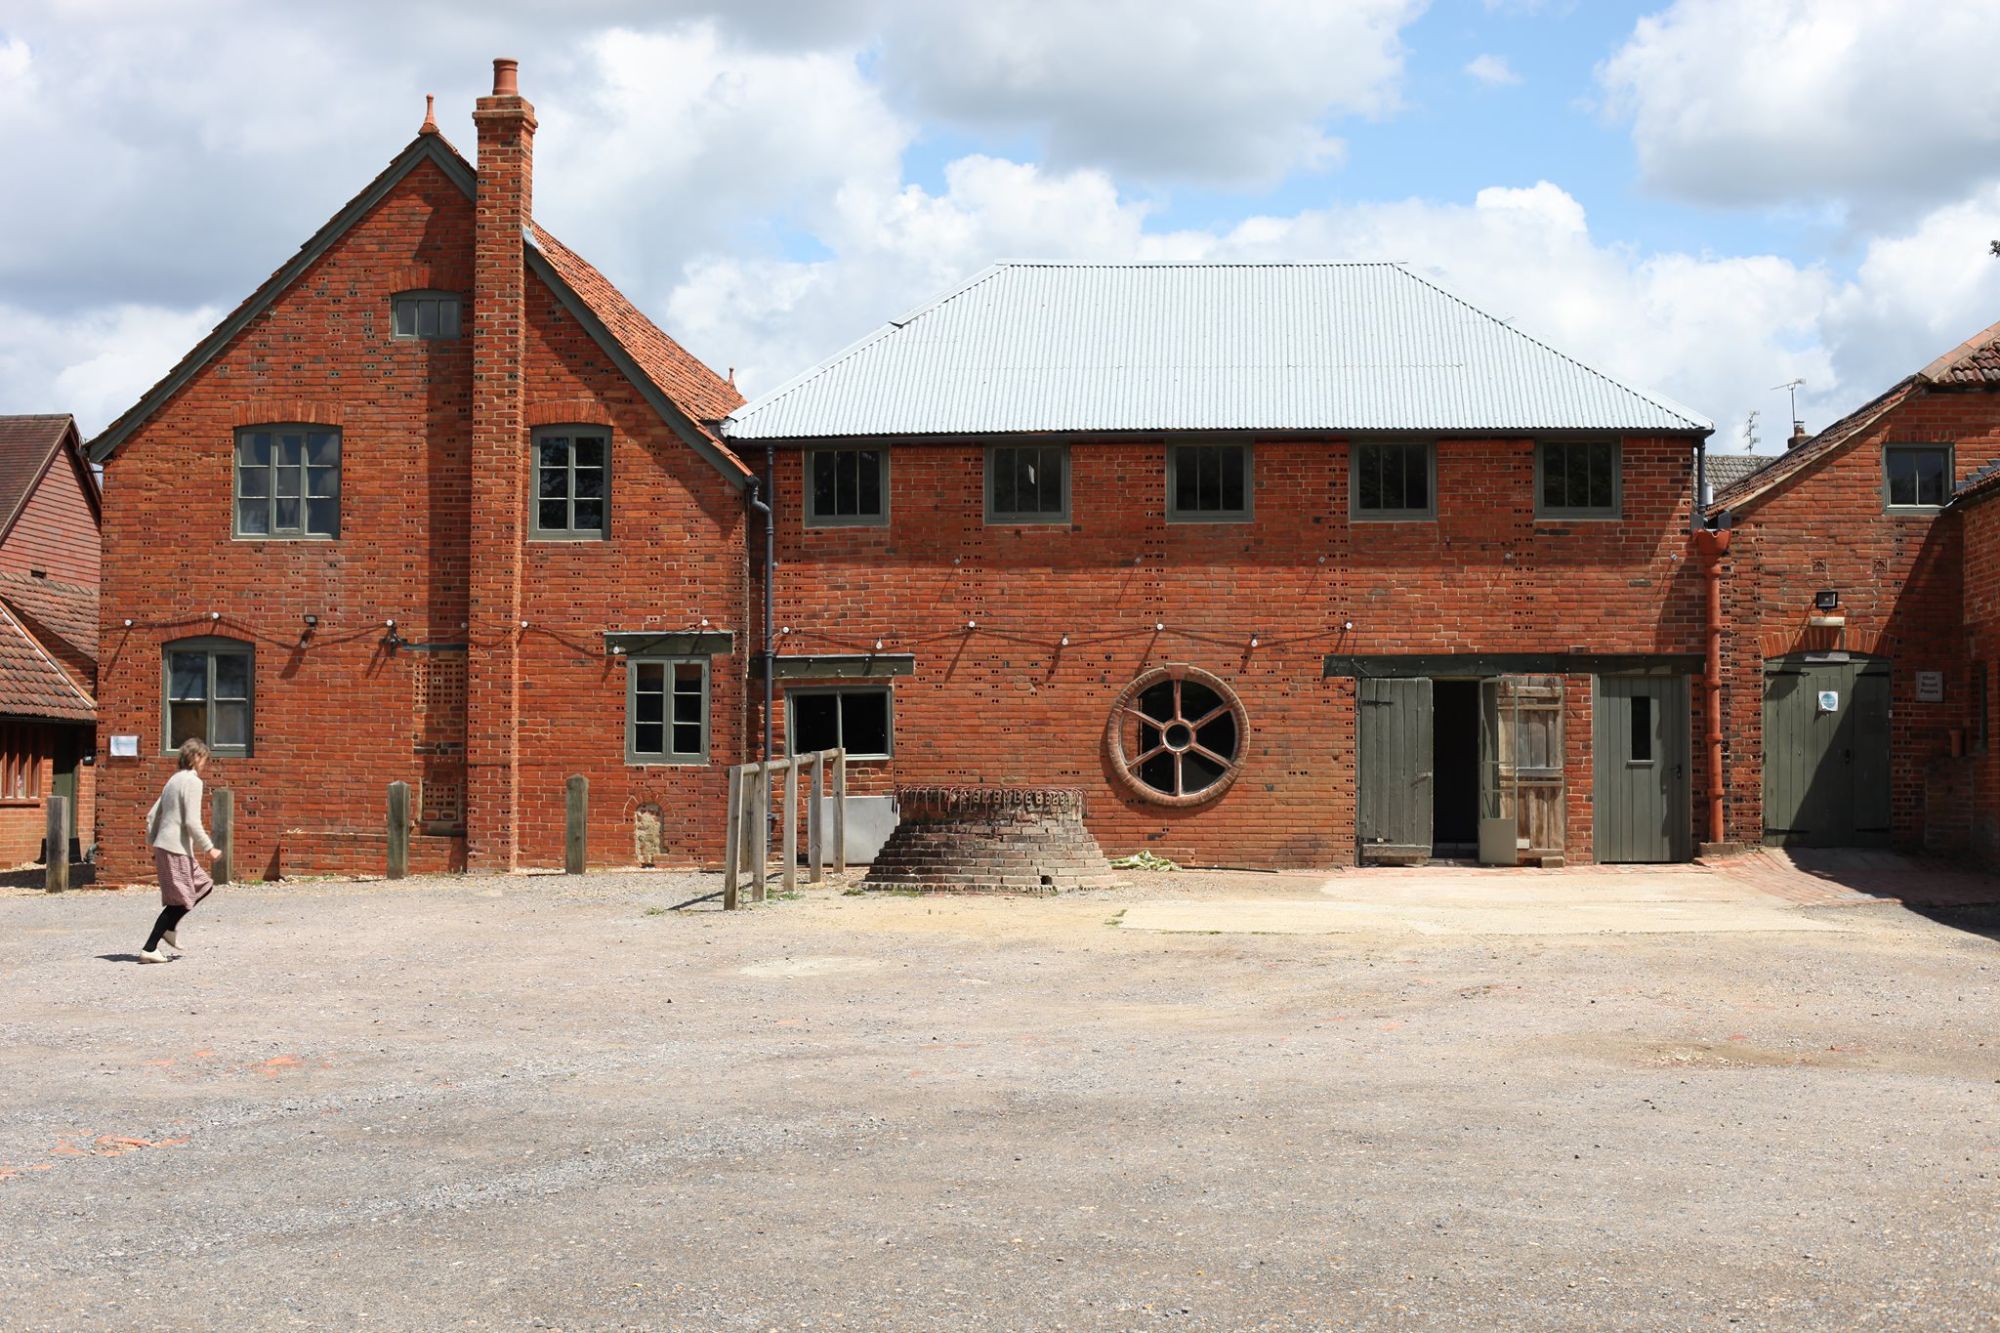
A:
784, 629
1826, 599
1159, 625
878, 645
617, 650
1064, 643
1346, 625
972, 624
389, 623
1253, 640
128, 622
215, 615
312, 622
524, 624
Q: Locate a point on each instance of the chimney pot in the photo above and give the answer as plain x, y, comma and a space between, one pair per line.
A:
506, 78
1799, 435
430, 125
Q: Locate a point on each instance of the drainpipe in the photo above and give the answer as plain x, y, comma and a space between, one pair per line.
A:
1711, 544
1698, 513
757, 503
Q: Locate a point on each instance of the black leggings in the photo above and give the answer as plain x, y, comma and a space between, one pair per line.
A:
168, 919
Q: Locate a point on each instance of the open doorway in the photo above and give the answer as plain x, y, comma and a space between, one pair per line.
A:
1455, 768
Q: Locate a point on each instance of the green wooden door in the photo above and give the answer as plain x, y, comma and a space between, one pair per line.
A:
1643, 806
1826, 753
1393, 814
68, 755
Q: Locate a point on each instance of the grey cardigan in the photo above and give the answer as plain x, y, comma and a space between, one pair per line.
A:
174, 823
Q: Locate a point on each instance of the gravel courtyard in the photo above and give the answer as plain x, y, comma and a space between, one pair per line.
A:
1675, 1100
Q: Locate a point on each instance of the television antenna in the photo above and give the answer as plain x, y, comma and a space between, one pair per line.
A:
1791, 388
1750, 432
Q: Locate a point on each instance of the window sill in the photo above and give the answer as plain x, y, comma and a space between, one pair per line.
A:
1579, 518
1209, 520
839, 524
1392, 518
285, 538
630, 762
1912, 511
19, 802
570, 539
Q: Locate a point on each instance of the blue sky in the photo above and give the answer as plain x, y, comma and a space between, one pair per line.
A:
1704, 198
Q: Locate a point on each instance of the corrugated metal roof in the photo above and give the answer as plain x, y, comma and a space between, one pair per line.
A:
1035, 346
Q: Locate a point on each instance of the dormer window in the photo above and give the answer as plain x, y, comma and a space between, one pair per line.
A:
426, 315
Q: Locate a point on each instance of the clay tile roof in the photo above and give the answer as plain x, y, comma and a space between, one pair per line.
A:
26, 446
1727, 469
1974, 361
52, 610
31, 684
704, 396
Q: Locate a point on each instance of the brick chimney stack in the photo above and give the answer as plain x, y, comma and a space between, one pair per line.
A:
499, 457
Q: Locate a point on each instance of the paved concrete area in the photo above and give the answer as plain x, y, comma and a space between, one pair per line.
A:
540, 1101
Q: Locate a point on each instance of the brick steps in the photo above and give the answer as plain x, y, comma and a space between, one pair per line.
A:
990, 840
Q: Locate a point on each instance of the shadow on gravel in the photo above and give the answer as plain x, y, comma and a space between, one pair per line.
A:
125, 958
715, 897
1972, 918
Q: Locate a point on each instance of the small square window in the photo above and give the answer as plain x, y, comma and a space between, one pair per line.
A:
571, 499
1027, 483
1577, 479
854, 719
847, 488
425, 316
1208, 483
1916, 476
666, 711
1391, 481
288, 482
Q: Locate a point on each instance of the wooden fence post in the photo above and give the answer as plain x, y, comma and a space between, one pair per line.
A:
840, 812
576, 818
760, 846
399, 829
732, 838
223, 816
815, 818
56, 850
790, 842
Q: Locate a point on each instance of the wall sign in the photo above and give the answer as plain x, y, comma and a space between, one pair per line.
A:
1930, 687
124, 747
1829, 701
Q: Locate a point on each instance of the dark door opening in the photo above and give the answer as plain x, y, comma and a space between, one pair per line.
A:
1455, 767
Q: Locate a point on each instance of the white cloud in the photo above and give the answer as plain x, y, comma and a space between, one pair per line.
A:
1869, 104
1492, 70
1220, 91
95, 363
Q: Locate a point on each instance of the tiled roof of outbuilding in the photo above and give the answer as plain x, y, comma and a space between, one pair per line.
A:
65, 611
1973, 364
1728, 469
32, 684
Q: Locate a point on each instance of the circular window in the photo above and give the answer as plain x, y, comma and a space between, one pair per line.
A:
1176, 735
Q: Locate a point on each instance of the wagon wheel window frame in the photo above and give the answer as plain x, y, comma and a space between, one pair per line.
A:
1176, 736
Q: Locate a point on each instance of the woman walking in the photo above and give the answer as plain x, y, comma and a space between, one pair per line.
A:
180, 845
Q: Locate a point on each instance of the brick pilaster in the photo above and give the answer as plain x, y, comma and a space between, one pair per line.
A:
506, 126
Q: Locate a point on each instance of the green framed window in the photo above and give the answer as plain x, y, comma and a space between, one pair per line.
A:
1577, 479
857, 718
666, 710
572, 500
208, 695
1390, 481
1209, 483
288, 483
1916, 476
424, 316
1027, 483
847, 488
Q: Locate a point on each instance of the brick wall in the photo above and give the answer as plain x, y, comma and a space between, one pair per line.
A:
1980, 547
1004, 703
1899, 580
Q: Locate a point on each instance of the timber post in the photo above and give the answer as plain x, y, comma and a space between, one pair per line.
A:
223, 816
790, 842
399, 830
815, 818
576, 823
840, 812
732, 838
56, 849
760, 825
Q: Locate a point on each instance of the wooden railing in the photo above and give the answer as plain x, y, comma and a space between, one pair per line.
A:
746, 829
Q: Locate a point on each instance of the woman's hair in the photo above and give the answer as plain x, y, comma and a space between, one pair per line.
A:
193, 752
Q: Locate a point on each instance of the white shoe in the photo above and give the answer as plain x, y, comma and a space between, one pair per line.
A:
168, 936
152, 956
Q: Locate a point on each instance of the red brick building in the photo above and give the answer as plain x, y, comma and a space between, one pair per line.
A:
1854, 587
1280, 564
49, 507
434, 504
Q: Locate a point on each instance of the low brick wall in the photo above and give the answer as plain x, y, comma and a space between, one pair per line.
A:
337, 851
990, 840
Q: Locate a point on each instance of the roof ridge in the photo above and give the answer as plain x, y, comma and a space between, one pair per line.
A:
866, 340
1665, 404
1984, 338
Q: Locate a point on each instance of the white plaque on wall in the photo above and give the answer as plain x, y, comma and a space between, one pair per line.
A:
124, 747
1930, 687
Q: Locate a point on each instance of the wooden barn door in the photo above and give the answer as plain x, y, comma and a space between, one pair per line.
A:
1393, 815
1521, 768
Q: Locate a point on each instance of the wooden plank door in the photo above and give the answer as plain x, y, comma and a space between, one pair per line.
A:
1393, 812
1826, 753
1643, 808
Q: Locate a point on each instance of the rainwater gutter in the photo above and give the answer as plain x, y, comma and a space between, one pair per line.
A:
1711, 544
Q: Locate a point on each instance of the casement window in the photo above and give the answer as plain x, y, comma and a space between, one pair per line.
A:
208, 695
857, 719
425, 315
1392, 481
1577, 479
22, 745
1027, 483
572, 484
1208, 483
1916, 476
666, 710
847, 488
288, 482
